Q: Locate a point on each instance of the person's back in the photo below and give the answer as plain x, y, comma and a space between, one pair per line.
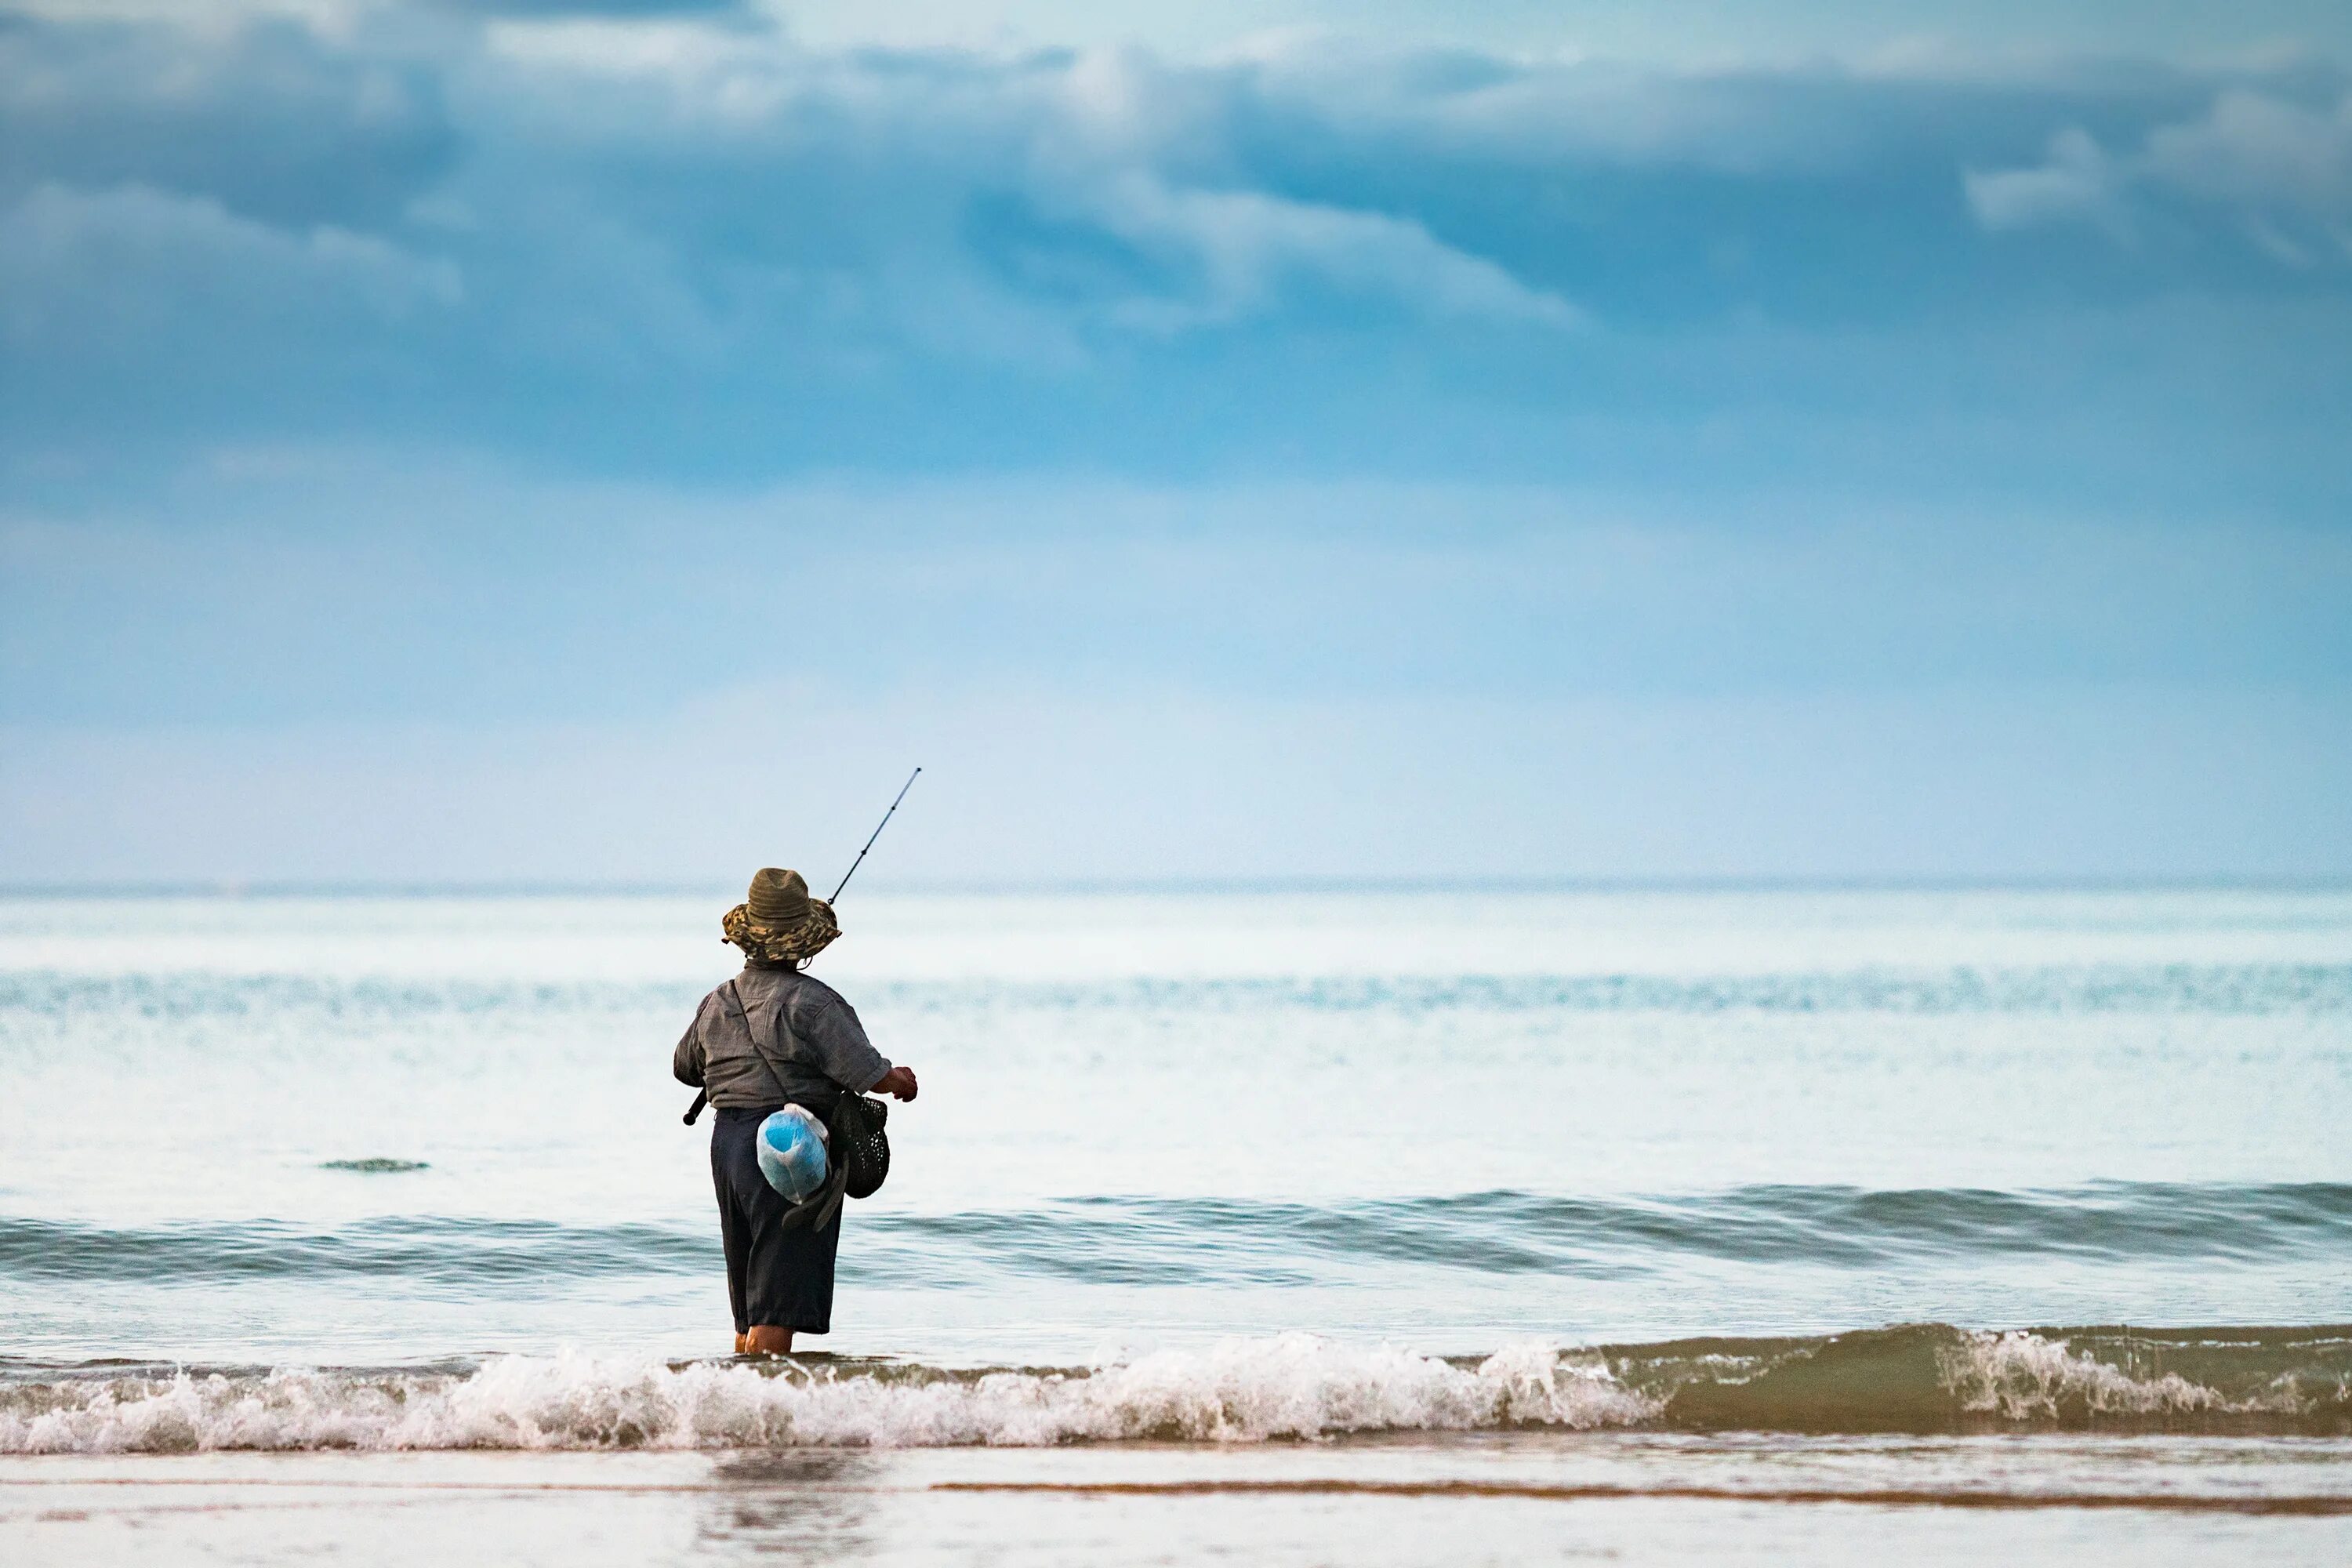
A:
816, 1046
769, 1037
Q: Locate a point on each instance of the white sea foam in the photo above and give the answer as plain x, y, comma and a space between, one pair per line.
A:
1238, 1391
2024, 1376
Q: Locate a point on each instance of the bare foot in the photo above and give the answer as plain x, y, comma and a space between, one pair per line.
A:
765, 1340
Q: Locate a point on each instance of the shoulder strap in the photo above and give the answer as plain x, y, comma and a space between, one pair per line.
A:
734, 999
820, 1207
823, 1206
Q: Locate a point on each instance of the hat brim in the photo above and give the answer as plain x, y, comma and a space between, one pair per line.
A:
803, 938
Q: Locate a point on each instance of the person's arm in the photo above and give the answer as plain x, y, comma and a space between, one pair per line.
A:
685, 1063
828, 1026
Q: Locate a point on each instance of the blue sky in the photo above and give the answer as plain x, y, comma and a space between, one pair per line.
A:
539, 441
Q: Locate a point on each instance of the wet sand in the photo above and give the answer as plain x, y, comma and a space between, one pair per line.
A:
1501, 1498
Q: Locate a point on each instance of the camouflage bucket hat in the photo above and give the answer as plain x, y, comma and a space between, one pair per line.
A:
778, 922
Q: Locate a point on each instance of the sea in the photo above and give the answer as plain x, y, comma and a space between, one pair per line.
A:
1362, 1224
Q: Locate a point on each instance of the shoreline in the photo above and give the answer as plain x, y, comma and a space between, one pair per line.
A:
1493, 1496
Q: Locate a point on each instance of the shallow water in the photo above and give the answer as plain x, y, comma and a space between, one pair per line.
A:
408, 1172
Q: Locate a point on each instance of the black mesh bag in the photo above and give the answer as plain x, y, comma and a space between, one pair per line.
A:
860, 1144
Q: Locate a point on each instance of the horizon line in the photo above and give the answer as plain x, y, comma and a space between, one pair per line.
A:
526, 888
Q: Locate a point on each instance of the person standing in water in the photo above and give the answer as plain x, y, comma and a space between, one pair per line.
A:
778, 1277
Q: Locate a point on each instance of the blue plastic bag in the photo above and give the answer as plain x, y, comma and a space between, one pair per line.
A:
792, 1152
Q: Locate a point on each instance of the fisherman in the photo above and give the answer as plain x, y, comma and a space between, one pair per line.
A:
778, 1277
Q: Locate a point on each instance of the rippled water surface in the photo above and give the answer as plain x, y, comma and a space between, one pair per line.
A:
1455, 1129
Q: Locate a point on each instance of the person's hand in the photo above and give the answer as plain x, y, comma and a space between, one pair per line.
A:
898, 1081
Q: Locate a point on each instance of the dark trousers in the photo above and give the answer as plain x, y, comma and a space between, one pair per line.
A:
776, 1278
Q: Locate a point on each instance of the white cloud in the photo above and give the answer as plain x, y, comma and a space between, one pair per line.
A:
1109, 142
2282, 170
2257, 152
2078, 185
1247, 248
217, 15
141, 256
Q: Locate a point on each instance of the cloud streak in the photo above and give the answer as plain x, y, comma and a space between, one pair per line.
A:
2280, 170
177, 257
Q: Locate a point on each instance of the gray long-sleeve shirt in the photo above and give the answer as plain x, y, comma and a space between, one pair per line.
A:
813, 1035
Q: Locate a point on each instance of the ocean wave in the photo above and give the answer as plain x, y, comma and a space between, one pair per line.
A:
1932, 1377
1922, 1378
1239, 1391
1151, 1241
427, 1250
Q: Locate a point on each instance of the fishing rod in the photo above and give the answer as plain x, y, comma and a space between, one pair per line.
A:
877, 832
702, 1096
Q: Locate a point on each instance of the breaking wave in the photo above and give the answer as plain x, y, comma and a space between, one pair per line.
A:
1919, 1378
